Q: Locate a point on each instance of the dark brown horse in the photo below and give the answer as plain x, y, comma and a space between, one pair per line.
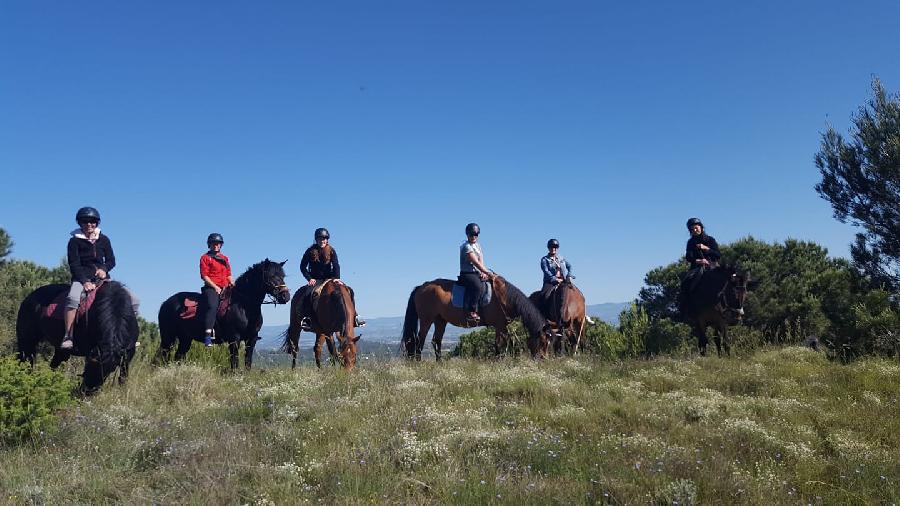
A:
717, 300
333, 313
431, 303
566, 313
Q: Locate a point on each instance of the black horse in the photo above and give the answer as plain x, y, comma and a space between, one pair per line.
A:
241, 322
106, 336
717, 300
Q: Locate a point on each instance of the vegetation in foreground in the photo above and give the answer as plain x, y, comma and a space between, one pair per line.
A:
779, 426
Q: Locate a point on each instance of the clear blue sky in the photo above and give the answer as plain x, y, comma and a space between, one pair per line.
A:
604, 124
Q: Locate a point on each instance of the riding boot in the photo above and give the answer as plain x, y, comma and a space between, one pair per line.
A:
67, 343
207, 338
357, 322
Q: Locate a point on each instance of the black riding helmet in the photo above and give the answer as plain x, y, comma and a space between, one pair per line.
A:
473, 229
322, 233
552, 243
215, 237
87, 213
694, 221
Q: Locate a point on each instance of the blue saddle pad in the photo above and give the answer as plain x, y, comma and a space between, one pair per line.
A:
459, 292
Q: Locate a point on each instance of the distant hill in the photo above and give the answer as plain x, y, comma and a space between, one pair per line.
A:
387, 330
608, 311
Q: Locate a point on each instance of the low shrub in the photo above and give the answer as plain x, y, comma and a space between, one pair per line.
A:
29, 399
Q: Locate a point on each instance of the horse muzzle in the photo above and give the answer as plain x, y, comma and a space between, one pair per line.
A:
284, 296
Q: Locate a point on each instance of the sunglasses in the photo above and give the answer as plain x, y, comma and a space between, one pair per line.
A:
88, 222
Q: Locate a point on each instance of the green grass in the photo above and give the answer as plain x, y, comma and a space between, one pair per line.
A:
781, 426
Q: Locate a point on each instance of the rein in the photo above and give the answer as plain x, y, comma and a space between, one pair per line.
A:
722, 300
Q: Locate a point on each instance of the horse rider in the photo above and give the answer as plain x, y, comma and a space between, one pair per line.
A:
472, 272
556, 269
90, 256
701, 253
319, 264
215, 271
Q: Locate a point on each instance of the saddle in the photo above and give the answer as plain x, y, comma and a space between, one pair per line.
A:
459, 293
56, 310
191, 305
315, 293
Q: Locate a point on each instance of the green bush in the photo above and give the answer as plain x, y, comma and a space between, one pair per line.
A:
29, 398
481, 343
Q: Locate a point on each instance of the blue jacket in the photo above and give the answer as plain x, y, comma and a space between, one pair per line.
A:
550, 268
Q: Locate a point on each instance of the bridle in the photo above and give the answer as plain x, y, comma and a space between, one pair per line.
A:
722, 299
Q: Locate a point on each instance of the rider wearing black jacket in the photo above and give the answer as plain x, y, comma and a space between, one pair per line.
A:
701, 253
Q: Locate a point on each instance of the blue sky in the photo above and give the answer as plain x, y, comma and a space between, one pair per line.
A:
605, 125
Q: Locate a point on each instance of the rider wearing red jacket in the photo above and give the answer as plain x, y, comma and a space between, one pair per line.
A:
215, 271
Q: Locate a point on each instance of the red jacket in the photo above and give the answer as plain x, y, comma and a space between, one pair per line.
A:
215, 267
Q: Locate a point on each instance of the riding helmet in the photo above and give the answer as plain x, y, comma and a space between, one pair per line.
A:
322, 233
552, 243
694, 221
473, 229
215, 237
87, 213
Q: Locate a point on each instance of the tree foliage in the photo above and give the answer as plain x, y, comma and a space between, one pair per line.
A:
6, 245
861, 180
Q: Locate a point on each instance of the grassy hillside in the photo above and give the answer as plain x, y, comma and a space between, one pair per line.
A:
781, 426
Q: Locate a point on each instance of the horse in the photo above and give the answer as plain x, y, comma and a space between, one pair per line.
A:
566, 306
431, 303
240, 322
333, 313
717, 300
106, 335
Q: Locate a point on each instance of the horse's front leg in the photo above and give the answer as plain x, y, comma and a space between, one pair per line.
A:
702, 340
317, 349
329, 340
59, 356
249, 346
501, 339
722, 340
126, 363
233, 349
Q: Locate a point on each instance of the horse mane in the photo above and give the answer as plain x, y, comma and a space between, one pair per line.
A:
318, 254
246, 278
531, 316
116, 325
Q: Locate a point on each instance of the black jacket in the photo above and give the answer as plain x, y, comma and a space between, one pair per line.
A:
85, 258
320, 269
693, 253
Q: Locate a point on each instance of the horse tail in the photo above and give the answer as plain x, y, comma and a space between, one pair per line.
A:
411, 321
26, 330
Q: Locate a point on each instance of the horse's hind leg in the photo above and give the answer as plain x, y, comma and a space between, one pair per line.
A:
249, 347
233, 350
424, 326
184, 345
440, 325
702, 340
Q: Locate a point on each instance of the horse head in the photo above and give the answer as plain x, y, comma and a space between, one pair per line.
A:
733, 295
273, 281
113, 323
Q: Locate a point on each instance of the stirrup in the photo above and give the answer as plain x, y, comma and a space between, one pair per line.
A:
67, 343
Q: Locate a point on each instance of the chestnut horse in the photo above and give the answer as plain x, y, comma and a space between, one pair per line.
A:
566, 313
333, 313
431, 303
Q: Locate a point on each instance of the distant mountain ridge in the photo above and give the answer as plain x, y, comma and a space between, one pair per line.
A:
388, 329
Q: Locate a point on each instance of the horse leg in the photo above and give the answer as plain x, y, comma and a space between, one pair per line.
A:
424, 326
578, 330
702, 340
184, 345
317, 349
500, 340
249, 346
59, 356
233, 348
721, 339
329, 341
123, 367
440, 325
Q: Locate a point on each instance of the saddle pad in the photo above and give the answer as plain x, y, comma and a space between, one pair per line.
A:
57, 309
316, 292
190, 307
458, 294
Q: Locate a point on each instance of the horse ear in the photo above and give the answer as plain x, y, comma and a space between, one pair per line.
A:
267, 261
355, 339
282, 263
